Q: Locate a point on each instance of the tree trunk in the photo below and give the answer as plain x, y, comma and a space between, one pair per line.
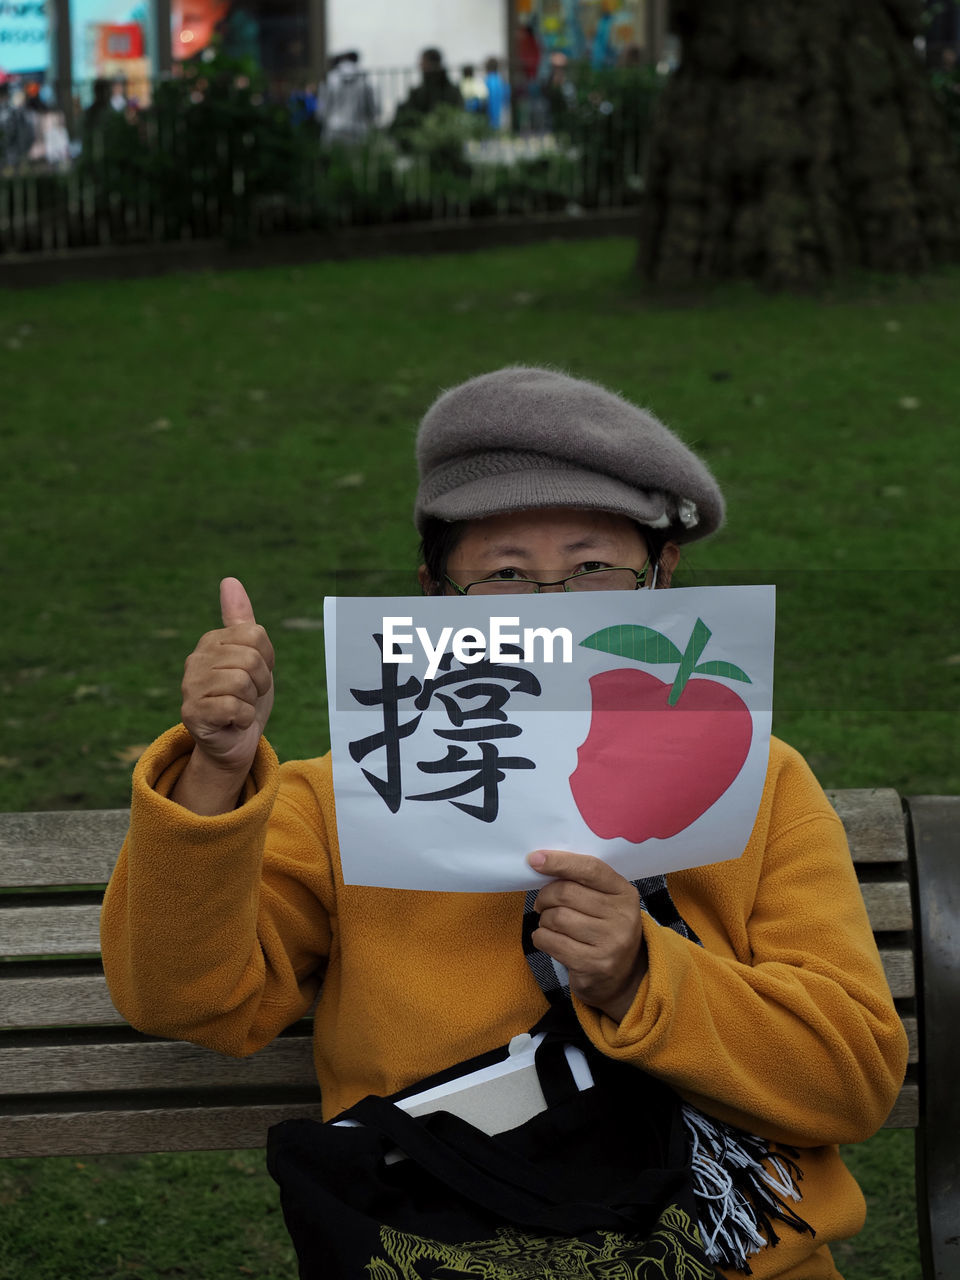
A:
798, 138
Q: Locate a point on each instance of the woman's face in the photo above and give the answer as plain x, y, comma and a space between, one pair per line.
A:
550, 544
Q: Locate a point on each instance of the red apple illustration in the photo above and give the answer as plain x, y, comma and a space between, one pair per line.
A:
658, 755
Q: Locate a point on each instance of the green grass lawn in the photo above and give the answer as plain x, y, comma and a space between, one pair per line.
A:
160, 434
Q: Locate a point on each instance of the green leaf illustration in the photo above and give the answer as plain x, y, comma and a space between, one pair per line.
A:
695, 646
722, 669
643, 644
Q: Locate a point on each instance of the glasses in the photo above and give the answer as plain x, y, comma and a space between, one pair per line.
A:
619, 579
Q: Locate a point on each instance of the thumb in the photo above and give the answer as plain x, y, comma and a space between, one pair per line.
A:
235, 604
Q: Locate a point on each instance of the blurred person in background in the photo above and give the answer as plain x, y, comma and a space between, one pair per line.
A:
97, 117
559, 91
305, 104
603, 53
118, 95
498, 95
531, 108
473, 90
435, 89
16, 130
100, 104
349, 104
51, 141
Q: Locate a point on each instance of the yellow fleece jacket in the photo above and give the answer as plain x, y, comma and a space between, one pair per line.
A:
223, 930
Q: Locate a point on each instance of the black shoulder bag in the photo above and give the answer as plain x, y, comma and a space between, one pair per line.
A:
598, 1184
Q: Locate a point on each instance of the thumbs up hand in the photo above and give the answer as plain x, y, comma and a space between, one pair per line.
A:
227, 698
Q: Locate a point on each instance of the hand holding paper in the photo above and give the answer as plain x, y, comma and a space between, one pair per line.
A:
591, 922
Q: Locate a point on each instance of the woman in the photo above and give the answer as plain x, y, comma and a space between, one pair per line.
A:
757, 995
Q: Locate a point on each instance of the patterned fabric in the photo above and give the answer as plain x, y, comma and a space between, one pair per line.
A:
673, 1249
741, 1182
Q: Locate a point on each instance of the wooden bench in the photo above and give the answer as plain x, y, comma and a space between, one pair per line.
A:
76, 1080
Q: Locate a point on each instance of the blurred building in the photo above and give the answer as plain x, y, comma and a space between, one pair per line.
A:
132, 42
602, 32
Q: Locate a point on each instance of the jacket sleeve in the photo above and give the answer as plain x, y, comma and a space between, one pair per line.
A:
789, 1030
216, 929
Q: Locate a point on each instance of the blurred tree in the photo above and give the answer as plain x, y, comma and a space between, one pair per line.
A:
796, 139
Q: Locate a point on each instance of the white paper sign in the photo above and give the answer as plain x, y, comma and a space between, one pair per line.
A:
630, 725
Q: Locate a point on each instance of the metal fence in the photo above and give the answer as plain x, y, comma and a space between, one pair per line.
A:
213, 155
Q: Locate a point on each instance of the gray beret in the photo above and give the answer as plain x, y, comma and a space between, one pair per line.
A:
526, 437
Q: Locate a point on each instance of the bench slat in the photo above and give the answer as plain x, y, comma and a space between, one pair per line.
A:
66, 930
82, 1133
101, 1132
59, 930
74, 847
81, 846
898, 966
85, 1001
906, 1109
58, 1000
31, 931
152, 1065
873, 821
172, 1064
913, 1038
888, 905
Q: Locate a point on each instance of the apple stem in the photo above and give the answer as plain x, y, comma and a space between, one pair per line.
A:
691, 656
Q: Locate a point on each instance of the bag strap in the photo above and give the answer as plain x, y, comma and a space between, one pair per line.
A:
554, 1073
482, 1170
